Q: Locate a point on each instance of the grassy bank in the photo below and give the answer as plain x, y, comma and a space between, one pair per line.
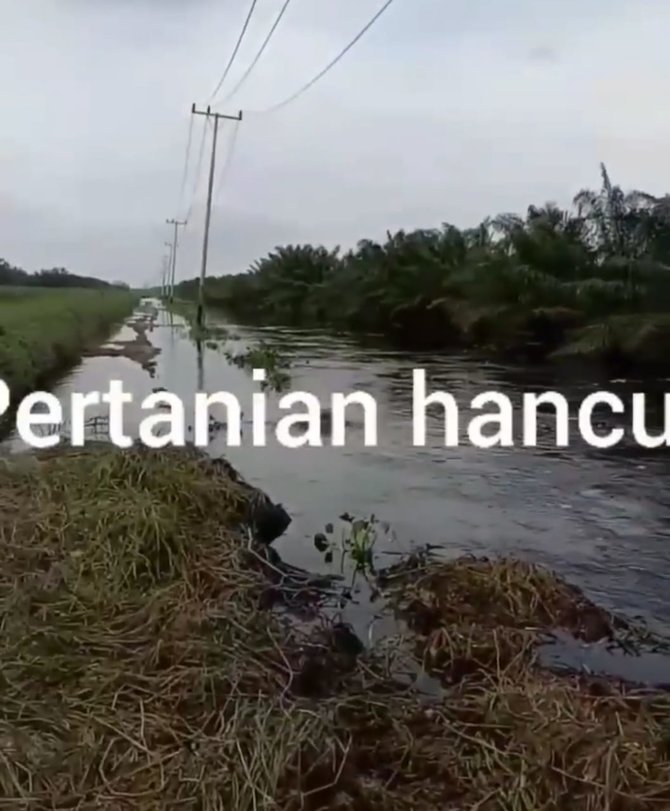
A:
43, 332
140, 667
591, 281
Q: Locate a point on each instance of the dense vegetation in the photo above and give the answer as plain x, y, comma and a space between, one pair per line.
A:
54, 277
44, 331
593, 280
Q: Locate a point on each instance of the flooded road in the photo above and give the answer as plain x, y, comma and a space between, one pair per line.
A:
600, 518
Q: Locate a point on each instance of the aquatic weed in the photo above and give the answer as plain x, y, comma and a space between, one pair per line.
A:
266, 357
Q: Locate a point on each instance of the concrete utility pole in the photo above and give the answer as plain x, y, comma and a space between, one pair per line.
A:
163, 279
176, 224
205, 243
167, 264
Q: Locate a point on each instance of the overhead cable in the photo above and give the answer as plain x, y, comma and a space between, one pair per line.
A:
229, 158
235, 49
329, 66
187, 158
261, 50
198, 171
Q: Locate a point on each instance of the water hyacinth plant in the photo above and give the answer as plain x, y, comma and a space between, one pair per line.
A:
354, 545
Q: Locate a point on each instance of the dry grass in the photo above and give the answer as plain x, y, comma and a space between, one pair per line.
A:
137, 670
474, 614
530, 739
134, 661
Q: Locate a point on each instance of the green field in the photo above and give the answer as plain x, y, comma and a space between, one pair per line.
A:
43, 331
14, 292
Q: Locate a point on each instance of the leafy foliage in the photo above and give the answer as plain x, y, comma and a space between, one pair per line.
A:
269, 360
511, 283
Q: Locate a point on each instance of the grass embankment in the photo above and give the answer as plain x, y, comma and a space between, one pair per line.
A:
138, 669
591, 282
42, 332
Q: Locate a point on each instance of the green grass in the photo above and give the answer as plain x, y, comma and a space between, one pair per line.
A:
14, 292
42, 332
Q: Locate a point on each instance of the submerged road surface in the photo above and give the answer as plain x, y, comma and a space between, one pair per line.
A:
600, 518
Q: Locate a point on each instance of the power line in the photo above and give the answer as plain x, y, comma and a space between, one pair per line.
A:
330, 65
198, 171
261, 50
229, 158
184, 176
235, 50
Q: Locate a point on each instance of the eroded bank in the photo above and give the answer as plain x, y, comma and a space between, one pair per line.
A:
152, 655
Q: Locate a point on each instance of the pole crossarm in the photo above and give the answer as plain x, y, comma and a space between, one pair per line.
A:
208, 112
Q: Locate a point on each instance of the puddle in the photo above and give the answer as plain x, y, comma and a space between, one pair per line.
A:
132, 342
126, 333
646, 668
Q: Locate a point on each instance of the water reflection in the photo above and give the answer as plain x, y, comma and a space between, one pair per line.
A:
602, 518
200, 383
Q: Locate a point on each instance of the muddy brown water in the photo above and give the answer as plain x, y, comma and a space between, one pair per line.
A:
599, 518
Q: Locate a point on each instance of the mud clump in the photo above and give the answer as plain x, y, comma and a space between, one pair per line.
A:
140, 671
473, 613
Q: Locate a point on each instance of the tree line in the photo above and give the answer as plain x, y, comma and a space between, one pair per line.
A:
593, 279
53, 277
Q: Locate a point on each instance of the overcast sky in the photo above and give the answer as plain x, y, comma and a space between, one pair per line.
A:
446, 110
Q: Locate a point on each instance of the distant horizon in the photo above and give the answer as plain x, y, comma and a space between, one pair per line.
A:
461, 111
213, 272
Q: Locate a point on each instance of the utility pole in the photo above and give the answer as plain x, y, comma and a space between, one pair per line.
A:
205, 243
176, 224
167, 264
163, 278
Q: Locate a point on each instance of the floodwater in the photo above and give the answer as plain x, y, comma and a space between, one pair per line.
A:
599, 517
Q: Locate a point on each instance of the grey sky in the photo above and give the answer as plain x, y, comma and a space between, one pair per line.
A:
447, 110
